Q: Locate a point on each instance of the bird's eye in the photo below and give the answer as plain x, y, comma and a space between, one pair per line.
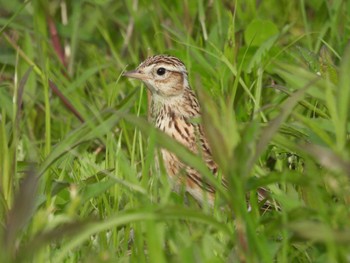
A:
161, 71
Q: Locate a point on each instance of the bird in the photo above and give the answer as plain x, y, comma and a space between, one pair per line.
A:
173, 107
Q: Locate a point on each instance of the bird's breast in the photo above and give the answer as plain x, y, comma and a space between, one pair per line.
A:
177, 127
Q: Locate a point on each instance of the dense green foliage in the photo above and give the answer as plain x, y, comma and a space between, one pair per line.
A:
77, 156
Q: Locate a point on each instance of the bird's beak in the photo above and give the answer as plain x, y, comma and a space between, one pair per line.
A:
135, 74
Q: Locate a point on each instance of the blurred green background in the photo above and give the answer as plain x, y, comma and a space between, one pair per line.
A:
77, 159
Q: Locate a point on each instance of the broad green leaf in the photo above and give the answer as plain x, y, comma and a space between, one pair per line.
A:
259, 31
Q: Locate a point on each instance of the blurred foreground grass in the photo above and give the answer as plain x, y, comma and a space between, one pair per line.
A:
78, 182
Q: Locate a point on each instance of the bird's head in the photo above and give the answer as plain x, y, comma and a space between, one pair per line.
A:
164, 75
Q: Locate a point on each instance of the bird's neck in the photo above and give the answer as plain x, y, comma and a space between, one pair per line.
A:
184, 105
161, 106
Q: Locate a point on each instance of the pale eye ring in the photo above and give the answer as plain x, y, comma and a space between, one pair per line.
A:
161, 71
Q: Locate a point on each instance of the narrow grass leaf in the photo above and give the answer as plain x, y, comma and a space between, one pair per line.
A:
86, 132
286, 108
22, 209
181, 151
141, 215
343, 101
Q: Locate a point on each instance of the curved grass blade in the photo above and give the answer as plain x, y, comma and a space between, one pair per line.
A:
140, 215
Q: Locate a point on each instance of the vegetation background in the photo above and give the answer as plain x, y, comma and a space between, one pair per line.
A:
78, 182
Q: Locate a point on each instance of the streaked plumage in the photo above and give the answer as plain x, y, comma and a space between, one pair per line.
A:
173, 105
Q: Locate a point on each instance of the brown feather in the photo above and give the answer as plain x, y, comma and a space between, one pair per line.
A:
173, 106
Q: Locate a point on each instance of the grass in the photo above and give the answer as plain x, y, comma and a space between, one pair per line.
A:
77, 163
